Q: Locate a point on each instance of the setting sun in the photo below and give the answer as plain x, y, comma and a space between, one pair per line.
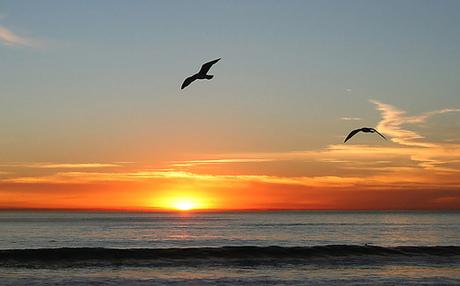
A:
182, 200
184, 205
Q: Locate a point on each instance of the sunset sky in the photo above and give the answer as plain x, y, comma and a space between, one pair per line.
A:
92, 115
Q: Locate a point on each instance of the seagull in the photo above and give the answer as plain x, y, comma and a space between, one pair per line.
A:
365, 130
202, 74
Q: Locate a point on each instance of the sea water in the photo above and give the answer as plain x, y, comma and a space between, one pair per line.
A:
377, 258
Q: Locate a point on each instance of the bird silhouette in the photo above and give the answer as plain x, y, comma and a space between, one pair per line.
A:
365, 130
202, 74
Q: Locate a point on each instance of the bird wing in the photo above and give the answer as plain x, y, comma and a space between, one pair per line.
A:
379, 134
188, 81
352, 133
205, 68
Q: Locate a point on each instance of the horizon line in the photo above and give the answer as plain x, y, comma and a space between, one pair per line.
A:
255, 210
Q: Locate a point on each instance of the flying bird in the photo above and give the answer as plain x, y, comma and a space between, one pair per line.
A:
202, 74
365, 130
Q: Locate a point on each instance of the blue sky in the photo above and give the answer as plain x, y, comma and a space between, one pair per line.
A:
287, 65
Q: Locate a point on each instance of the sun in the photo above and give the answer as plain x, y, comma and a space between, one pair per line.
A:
184, 205
181, 200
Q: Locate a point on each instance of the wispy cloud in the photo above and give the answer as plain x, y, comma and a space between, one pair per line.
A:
47, 165
146, 175
77, 166
411, 147
218, 161
350, 118
8, 37
393, 120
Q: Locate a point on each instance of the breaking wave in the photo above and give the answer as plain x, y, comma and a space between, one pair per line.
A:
248, 254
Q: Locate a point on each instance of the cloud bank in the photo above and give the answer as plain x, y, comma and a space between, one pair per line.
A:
11, 39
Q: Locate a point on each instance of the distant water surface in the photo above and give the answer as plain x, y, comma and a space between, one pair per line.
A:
161, 230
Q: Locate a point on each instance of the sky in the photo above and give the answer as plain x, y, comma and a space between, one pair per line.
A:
92, 115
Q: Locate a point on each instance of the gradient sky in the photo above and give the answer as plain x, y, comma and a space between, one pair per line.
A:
91, 114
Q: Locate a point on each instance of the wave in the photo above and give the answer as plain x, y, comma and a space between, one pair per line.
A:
239, 254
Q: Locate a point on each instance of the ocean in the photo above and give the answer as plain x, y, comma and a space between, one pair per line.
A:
231, 248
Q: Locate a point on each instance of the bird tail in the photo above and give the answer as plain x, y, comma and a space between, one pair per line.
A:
209, 76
